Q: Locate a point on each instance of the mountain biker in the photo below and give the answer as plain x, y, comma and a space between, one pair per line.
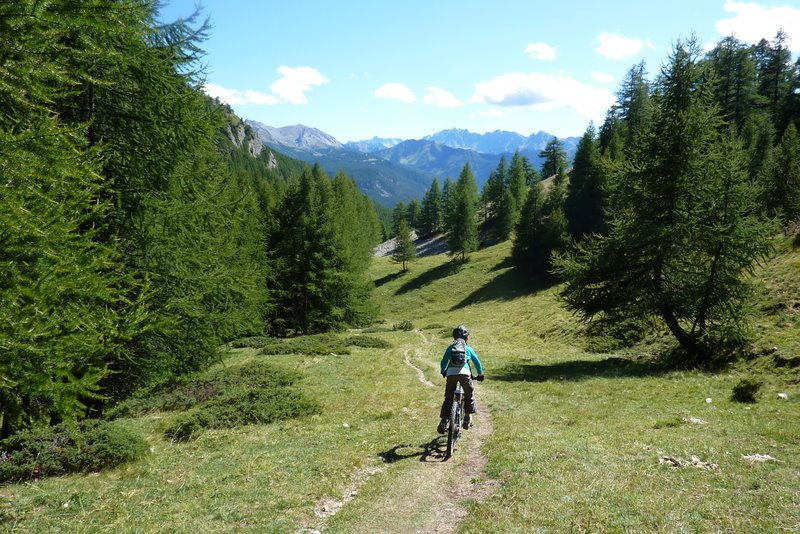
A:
462, 374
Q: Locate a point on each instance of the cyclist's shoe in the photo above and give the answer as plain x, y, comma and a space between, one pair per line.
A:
467, 421
442, 428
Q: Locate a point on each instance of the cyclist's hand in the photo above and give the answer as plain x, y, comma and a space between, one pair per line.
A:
444, 375
480, 378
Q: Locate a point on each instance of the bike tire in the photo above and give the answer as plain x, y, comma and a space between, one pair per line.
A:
453, 427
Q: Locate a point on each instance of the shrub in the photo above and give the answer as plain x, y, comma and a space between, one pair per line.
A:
189, 391
368, 342
255, 342
310, 345
404, 325
745, 390
57, 450
187, 426
242, 406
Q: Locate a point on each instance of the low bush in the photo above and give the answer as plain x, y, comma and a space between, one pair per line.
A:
745, 390
58, 450
368, 342
404, 325
191, 390
188, 426
255, 342
242, 406
309, 345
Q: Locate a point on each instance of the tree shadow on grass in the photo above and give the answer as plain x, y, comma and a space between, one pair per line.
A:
428, 277
433, 451
508, 285
389, 277
577, 370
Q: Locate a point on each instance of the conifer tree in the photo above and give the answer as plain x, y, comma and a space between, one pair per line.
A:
431, 211
585, 200
555, 158
462, 226
400, 213
736, 88
684, 229
529, 231
775, 77
413, 213
781, 180
405, 251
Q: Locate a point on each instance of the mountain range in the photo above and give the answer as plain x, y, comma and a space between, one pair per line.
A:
391, 170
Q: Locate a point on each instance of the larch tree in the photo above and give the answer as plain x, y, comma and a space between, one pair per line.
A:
684, 229
462, 227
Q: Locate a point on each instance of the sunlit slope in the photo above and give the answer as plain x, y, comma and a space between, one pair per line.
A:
589, 442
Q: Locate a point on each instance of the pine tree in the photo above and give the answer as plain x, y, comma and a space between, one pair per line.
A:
462, 226
413, 213
736, 88
555, 158
684, 229
431, 212
781, 178
585, 200
528, 231
775, 77
400, 213
405, 251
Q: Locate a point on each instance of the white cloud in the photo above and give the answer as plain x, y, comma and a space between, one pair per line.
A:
541, 51
396, 91
752, 22
291, 87
295, 83
617, 47
544, 92
439, 97
602, 77
255, 97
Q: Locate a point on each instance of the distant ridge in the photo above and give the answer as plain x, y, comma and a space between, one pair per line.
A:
390, 170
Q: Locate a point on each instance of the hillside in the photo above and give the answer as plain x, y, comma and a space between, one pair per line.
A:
567, 440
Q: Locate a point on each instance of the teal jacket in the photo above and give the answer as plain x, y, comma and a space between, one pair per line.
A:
472, 356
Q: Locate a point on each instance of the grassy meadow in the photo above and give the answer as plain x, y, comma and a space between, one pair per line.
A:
582, 441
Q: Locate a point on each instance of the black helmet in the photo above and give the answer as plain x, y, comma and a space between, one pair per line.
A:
460, 332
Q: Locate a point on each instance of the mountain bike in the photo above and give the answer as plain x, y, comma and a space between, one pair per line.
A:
454, 425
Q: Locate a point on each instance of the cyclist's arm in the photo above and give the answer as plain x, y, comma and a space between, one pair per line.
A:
445, 361
475, 360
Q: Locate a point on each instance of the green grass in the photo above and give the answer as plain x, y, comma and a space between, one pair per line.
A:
577, 441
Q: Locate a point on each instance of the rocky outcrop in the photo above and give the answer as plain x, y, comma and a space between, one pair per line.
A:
245, 136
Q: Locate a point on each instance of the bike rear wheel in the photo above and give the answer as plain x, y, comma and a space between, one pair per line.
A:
454, 427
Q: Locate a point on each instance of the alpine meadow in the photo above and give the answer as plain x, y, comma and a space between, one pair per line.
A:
199, 333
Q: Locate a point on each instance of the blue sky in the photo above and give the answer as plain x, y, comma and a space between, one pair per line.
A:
358, 69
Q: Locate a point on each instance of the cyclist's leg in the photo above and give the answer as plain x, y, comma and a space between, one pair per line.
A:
469, 394
449, 388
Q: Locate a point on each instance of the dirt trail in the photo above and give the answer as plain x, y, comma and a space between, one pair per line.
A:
425, 496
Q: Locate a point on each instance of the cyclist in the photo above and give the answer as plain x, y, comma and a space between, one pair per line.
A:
457, 372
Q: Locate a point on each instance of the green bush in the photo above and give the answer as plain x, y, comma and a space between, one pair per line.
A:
404, 325
189, 391
310, 345
255, 342
745, 390
58, 450
368, 342
242, 406
188, 426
